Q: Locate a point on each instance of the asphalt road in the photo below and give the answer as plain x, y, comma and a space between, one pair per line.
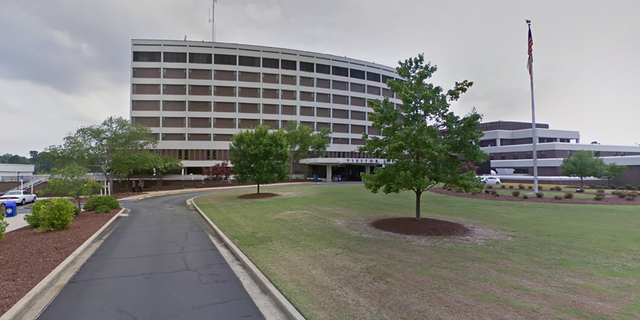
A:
158, 263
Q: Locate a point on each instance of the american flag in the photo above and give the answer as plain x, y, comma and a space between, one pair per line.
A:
530, 60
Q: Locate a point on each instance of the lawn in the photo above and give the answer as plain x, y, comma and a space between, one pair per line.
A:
524, 260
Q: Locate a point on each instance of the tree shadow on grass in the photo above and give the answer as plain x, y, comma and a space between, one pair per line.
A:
258, 196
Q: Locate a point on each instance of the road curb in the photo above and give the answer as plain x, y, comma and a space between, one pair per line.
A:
286, 307
221, 188
36, 300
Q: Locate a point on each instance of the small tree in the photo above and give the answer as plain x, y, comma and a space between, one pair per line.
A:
582, 164
161, 165
72, 181
301, 140
259, 155
217, 172
424, 145
612, 171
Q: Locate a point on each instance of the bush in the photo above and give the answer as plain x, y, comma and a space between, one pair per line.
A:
3, 224
489, 186
521, 186
502, 186
568, 195
558, 188
51, 214
598, 197
101, 201
524, 196
613, 186
557, 197
495, 193
630, 187
621, 195
510, 187
102, 209
530, 187
600, 191
540, 188
475, 191
638, 187
630, 197
540, 194
515, 193
620, 188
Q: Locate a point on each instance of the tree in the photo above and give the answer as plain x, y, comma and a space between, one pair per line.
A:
218, 172
72, 181
583, 164
161, 165
301, 140
611, 171
95, 146
259, 155
424, 144
13, 159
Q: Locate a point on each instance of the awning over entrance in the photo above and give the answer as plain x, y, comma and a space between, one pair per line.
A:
341, 169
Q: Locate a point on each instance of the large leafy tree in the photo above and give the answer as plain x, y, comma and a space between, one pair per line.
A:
612, 171
259, 155
424, 144
301, 141
582, 164
96, 146
72, 181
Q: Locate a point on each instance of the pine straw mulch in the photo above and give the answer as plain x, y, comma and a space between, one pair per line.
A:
27, 257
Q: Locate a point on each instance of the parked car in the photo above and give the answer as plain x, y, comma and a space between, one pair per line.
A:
491, 180
19, 196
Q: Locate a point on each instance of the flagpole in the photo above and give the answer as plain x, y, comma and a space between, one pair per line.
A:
534, 133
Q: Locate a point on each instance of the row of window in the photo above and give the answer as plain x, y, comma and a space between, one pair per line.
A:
224, 75
228, 137
253, 108
233, 123
223, 155
234, 60
248, 92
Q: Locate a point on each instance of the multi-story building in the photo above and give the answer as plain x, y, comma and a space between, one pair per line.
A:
196, 95
510, 149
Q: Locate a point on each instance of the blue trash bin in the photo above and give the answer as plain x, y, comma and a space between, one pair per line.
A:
339, 178
315, 178
10, 209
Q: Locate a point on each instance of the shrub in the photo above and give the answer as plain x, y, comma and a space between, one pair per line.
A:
540, 194
598, 197
621, 195
521, 186
51, 214
629, 187
638, 187
600, 191
101, 201
515, 193
557, 197
558, 188
620, 188
3, 224
489, 186
530, 187
502, 186
613, 186
568, 195
540, 187
475, 191
102, 209
510, 187
495, 193
524, 196
630, 197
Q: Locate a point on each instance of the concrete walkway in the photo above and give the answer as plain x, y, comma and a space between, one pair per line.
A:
18, 221
158, 263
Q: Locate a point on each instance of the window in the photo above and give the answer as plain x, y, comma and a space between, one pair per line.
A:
200, 106
199, 122
174, 56
323, 97
199, 90
357, 129
200, 137
249, 76
248, 123
224, 107
306, 111
145, 105
174, 89
146, 56
342, 114
152, 122
358, 74
323, 68
271, 124
340, 71
385, 78
340, 85
173, 122
270, 78
270, 93
174, 73
306, 96
323, 112
146, 89
357, 115
515, 155
360, 102
321, 125
323, 83
270, 109
338, 99
387, 93
270, 63
224, 91
356, 87
286, 79
288, 95
173, 137
224, 123
307, 66
288, 64
224, 59
371, 76
249, 92
200, 58
224, 75
306, 82
173, 105
249, 61
289, 110
340, 140
201, 74
146, 72
503, 156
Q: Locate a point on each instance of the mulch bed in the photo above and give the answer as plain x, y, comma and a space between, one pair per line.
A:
608, 200
27, 257
258, 195
423, 227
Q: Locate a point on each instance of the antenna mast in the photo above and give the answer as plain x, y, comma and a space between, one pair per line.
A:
212, 21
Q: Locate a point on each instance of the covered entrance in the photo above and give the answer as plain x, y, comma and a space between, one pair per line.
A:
340, 169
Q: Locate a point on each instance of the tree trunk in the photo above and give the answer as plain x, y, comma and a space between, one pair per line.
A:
79, 206
581, 182
290, 168
418, 194
258, 188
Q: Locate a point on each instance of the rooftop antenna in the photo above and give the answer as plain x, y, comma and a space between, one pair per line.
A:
212, 17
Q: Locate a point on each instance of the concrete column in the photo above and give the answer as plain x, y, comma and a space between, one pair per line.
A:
367, 168
329, 167
498, 142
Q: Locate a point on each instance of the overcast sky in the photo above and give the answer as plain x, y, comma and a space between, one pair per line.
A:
65, 63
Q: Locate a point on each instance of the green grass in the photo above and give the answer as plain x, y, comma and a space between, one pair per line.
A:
525, 260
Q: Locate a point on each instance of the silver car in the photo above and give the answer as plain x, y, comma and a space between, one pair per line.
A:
491, 180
